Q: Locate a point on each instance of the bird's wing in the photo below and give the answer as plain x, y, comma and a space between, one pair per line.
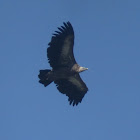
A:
73, 87
60, 52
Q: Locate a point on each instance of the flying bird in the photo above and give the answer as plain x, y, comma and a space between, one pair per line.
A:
65, 70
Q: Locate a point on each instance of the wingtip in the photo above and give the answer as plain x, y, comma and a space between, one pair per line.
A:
68, 22
73, 102
65, 25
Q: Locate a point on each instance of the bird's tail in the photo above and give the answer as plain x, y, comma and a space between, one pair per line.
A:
43, 76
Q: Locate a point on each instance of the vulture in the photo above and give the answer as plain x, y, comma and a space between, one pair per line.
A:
65, 70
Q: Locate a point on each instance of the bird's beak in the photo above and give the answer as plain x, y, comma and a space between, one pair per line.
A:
83, 69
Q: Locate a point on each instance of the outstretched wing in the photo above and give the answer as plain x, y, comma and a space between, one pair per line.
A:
60, 52
73, 87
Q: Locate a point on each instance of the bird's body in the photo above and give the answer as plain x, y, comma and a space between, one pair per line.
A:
65, 71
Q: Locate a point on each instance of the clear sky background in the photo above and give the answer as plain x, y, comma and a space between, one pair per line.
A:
107, 41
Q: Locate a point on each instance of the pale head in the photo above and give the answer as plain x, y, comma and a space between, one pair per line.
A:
77, 68
81, 69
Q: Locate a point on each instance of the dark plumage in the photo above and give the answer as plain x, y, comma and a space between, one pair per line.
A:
65, 71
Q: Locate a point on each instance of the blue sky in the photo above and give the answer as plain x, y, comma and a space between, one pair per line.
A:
107, 41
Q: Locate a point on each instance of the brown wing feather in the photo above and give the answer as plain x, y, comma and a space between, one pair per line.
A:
60, 52
73, 87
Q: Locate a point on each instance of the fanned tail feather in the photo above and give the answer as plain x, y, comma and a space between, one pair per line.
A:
43, 76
